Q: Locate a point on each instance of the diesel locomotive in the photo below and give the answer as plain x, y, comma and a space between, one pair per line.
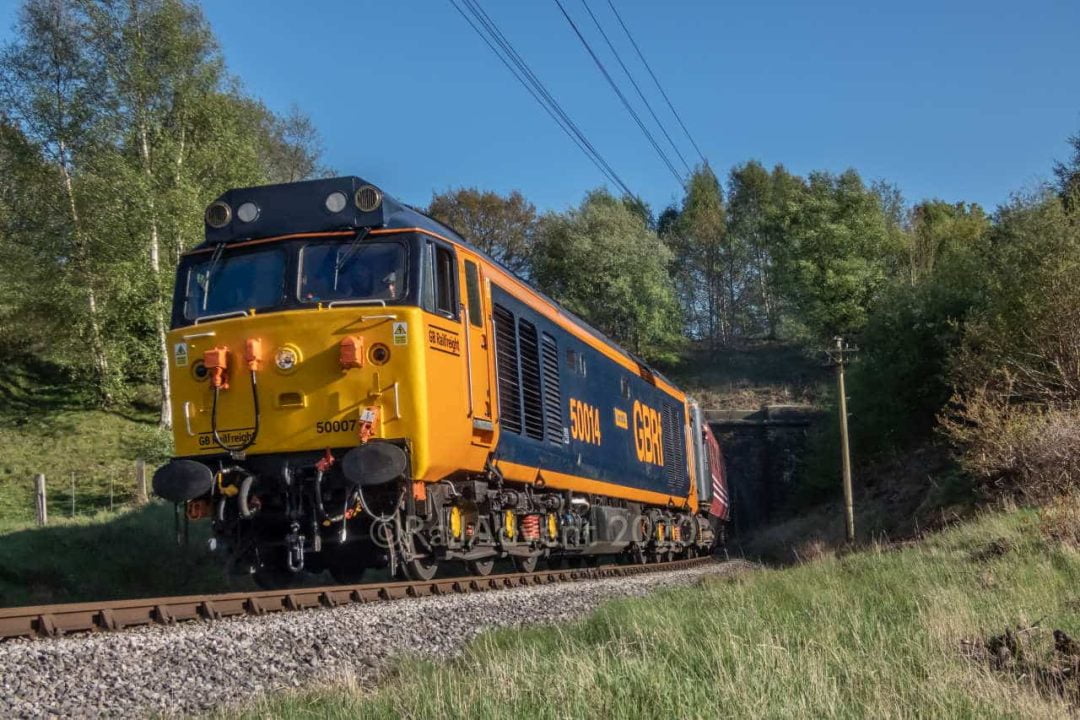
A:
356, 386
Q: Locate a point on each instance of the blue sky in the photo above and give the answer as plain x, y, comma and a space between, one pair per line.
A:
961, 100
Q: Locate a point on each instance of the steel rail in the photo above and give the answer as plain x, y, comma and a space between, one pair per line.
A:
57, 620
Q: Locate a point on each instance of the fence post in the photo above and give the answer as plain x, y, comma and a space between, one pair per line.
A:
41, 500
140, 481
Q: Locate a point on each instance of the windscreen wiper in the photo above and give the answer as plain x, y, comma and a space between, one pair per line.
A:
343, 257
215, 260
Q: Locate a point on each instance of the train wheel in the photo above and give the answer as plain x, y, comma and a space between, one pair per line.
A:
481, 567
421, 568
526, 564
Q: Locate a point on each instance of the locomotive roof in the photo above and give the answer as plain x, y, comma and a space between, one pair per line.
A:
300, 208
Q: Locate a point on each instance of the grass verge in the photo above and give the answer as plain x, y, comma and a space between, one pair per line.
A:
47, 426
879, 633
128, 554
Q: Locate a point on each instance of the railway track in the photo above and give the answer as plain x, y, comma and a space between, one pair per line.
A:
56, 620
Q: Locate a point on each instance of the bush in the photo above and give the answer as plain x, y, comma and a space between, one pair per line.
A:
1015, 415
1021, 451
901, 379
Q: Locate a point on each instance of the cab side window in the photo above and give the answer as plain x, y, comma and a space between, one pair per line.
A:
427, 282
445, 291
472, 292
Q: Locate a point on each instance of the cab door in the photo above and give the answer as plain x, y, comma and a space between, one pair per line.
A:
476, 312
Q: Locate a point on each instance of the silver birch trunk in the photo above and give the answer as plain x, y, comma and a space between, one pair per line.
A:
97, 344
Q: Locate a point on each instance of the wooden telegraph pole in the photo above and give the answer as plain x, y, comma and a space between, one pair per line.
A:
838, 358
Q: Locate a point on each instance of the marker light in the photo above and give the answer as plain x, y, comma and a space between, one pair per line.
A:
218, 214
248, 212
368, 198
336, 202
379, 354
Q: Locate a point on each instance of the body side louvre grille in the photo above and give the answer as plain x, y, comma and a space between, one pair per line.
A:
553, 421
530, 380
506, 356
678, 481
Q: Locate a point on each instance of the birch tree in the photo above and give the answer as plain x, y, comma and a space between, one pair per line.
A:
50, 84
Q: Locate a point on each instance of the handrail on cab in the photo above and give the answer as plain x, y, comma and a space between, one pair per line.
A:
221, 316
358, 301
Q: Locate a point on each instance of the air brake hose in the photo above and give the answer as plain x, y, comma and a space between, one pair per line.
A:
379, 519
254, 431
242, 497
323, 515
320, 505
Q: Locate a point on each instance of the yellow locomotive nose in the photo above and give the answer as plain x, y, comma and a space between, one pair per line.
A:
318, 371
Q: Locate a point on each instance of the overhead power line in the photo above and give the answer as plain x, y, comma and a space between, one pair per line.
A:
655, 80
619, 93
493, 37
630, 77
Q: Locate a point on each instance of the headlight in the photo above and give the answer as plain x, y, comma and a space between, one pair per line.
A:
368, 198
286, 358
336, 202
218, 214
248, 212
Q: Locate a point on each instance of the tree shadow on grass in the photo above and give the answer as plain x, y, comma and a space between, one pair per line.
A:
33, 392
112, 556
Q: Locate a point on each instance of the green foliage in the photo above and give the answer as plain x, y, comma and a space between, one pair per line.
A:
901, 379
603, 263
1067, 173
708, 267
752, 224
120, 125
833, 259
1016, 373
502, 226
785, 255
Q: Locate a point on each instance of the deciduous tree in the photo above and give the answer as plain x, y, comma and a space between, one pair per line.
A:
833, 260
604, 263
503, 226
50, 84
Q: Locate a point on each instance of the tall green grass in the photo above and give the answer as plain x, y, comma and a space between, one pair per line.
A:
873, 634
